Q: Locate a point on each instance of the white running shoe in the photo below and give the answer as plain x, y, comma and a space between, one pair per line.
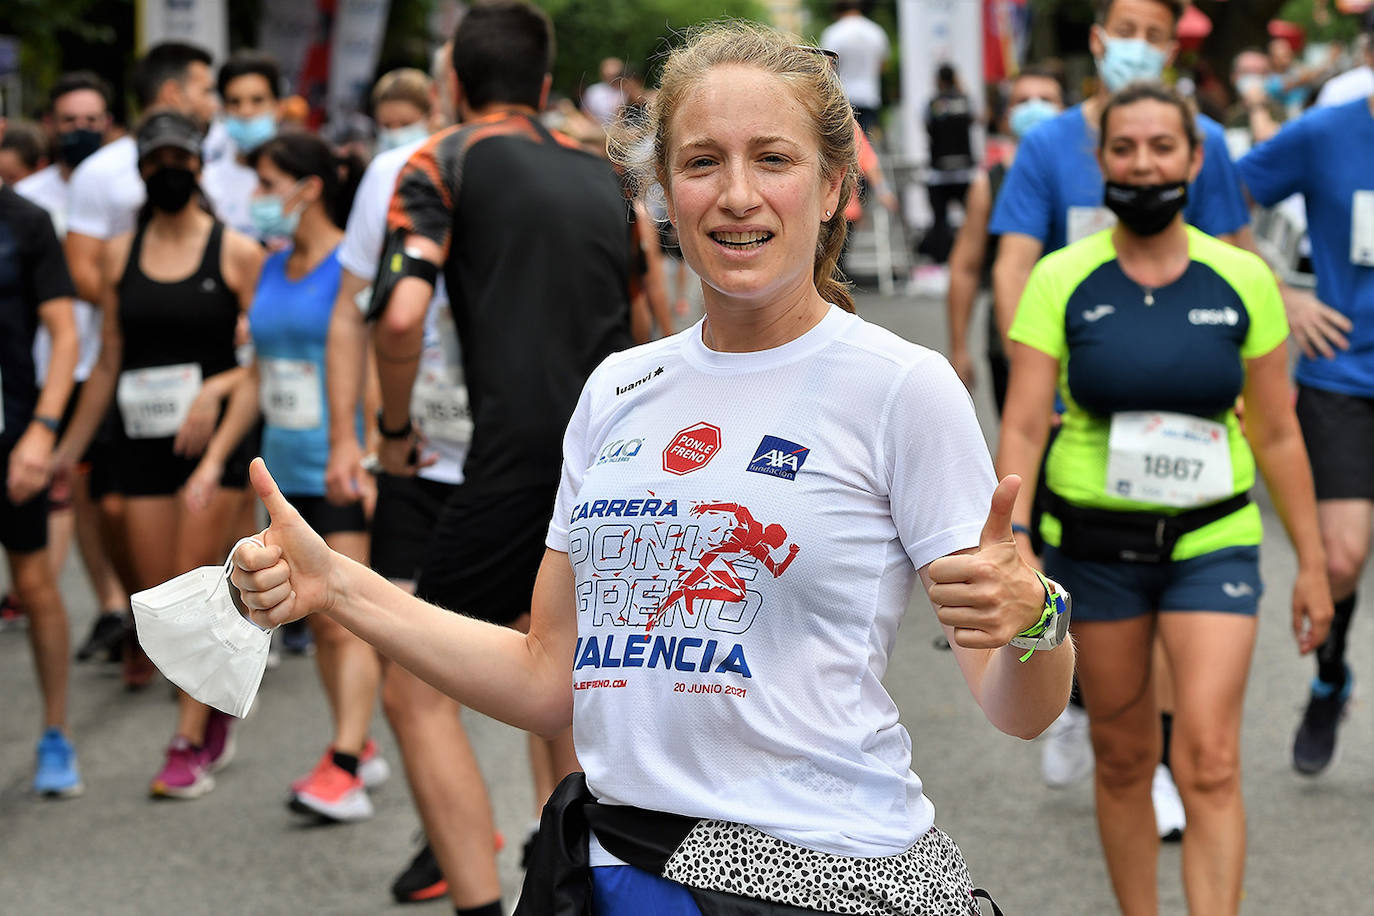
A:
1067, 756
373, 769
1168, 805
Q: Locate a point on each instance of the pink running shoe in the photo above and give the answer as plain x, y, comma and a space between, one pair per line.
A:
184, 775
219, 741
373, 769
332, 792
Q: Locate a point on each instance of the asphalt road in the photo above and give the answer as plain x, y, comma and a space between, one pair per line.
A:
239, 850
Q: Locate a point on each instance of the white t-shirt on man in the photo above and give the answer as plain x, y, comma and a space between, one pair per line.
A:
230, 184
789, 496
359, 254
863, 47
49, 190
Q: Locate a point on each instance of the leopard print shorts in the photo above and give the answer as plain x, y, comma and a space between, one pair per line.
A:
929, 879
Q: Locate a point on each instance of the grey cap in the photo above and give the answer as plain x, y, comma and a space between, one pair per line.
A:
168, 128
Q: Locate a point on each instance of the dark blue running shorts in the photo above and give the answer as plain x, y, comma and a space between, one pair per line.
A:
1226, 580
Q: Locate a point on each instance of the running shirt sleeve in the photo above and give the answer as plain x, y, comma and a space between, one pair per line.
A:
366, 228
1274, 170
89, 208
1039, 321
44, 263
426, 193
1268, 321
1023, 203
940, 477
1218, 197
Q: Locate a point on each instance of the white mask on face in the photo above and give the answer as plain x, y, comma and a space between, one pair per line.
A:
195, 635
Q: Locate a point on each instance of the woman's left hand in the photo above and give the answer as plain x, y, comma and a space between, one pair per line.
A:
198, 427
990, 595
1312, 609
202, 485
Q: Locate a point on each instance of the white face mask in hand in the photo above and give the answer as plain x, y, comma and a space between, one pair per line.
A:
195, 635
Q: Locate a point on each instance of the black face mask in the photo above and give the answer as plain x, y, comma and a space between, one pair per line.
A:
1145, 209
169, 188
75, 145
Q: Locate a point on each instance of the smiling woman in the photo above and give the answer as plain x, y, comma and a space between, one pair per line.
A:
745, 511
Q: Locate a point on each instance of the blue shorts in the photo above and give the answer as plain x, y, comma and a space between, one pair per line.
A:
1225, 580
623, 890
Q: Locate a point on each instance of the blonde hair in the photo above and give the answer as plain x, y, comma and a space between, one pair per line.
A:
404, 85
815, 85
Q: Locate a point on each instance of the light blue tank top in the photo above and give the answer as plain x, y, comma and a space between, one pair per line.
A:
290, 323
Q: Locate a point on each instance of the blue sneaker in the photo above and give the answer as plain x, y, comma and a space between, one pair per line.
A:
57, 775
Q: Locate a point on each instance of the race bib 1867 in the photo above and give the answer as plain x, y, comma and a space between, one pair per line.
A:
1169, 459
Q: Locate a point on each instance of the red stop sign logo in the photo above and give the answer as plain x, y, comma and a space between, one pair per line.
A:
691, 448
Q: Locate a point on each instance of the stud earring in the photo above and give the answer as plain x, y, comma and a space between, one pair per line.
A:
827, 213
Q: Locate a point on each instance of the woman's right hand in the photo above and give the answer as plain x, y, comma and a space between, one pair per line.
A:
292, 576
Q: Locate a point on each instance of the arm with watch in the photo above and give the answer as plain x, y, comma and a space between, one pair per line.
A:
401, 295
31, 466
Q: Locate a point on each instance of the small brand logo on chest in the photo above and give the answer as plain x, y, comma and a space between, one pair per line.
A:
778, 458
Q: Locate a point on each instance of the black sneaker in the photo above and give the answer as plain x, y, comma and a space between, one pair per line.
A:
107, 636
422, 880
1315, 743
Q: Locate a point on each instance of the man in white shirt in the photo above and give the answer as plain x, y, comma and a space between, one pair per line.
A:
864, 49
249, 85
604, 100
106, 190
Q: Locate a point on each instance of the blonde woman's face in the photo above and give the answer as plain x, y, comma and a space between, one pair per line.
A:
745, 188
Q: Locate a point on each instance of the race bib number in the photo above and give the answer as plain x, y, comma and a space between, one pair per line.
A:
1085, 221
290, 394
1168, 458
439, 406
1362, 229
154, 401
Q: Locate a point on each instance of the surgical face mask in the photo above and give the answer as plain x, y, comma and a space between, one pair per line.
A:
195, 635
1247, 83
1028, 114
400, 136
1145, 209
270, 218
73, 146
250, 133
170, 188
1127, 60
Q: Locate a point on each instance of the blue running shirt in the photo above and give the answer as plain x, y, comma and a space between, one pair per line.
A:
1327, 155
1055, 185
290, 322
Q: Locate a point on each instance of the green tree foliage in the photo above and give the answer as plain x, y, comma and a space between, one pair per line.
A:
639, 32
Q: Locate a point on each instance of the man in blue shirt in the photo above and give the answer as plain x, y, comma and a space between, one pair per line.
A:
1325, 156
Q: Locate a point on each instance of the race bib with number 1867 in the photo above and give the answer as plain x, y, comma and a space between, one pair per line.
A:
1168, 458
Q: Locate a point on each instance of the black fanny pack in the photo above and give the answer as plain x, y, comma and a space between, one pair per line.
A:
1106, 536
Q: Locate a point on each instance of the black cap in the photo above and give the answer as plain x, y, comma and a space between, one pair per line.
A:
168, 128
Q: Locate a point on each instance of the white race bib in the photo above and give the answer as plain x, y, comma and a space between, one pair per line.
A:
1362, 229
154, 401
439, 406
1168, 458
1085, 221
290, 394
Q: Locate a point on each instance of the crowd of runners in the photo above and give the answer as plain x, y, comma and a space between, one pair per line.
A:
439, 348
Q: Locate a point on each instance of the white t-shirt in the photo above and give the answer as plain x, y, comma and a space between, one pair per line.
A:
863, 46
230, 184
359, 253
1349, 86
602, 101
106, 191
48, 189
690, 473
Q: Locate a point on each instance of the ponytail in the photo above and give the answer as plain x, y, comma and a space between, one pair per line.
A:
303, 155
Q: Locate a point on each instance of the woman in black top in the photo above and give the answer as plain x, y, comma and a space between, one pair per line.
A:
175, 289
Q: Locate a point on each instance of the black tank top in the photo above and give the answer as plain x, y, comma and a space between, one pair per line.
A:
189, 321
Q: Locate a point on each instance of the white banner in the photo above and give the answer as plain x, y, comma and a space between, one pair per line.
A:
204, 23
935, 32
358, 28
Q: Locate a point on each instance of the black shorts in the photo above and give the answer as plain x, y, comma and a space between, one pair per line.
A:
485, 552
326, 518
1338, 430
407, 510
149, 467
23, 528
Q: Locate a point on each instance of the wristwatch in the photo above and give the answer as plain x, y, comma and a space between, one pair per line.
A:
1052, 629
401, 433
